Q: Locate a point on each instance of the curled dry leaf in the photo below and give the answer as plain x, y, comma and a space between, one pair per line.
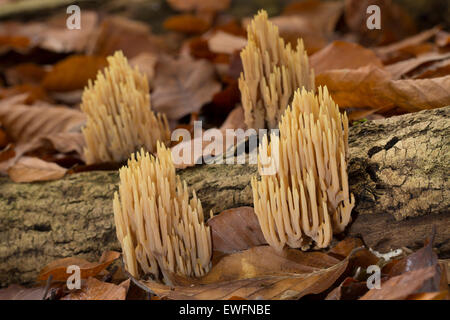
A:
183, 86
235, 230
402, 49
259, 273
343, 55
73, 73
401, 69
31, 169
58, 268
95, 289
373, 87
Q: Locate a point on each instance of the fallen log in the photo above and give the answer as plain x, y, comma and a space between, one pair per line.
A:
397, 171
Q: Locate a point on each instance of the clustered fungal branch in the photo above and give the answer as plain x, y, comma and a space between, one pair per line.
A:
308, 197
161, 230
272, 72
119, 115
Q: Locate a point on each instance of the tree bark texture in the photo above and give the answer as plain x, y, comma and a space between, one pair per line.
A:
398, 171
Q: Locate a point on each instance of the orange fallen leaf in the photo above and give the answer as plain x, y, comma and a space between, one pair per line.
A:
25, 73
31, 169
258, 273
186, 23
58, 268
373, 87
73, 73
401, 69
95, 289
34, 92
343, 55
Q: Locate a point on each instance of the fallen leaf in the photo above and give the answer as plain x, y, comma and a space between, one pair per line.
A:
440, 295
52, 35
199, 5
66, 142
17, 292
349, 289
186, 23
442, 39
259, 273
119, 33
222, 42
235, 120
435, 70
343, 55
24, 124
406, 284
94, 289
236, 229
401, 50
25, 73
73, 73
31, 169
402, 68
34, 92
183, 86
372, 87
58, 268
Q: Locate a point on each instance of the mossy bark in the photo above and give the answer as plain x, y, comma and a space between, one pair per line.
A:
398, 172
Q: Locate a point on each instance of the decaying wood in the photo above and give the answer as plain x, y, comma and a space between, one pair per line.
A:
398, 172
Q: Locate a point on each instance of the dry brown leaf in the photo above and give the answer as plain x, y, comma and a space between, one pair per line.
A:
402, 68
235, 120
259, 273
52, 35
58, 268
24, 124
25, 73
406, 284
183, 86
31, 169
199, 5
372, 87
73, 73
343, 55
236, 229
34, 93
223, 42
66, 142
395, 22
95, 289
435, 70
186, 23
401, 50
132, 37
442, 38
17, 292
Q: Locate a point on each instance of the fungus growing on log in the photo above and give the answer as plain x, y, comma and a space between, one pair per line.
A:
160, 229
119, 116
272, 72
308, 197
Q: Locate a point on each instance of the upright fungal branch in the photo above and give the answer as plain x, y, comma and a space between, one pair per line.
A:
272, 72
160, 229
119, 117
308, 197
